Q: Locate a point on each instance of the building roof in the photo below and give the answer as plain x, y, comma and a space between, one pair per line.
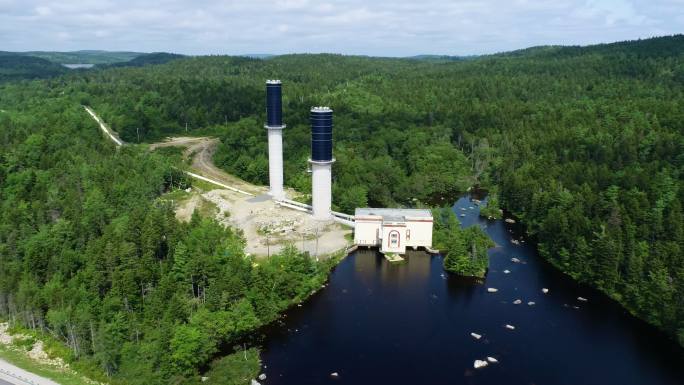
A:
388, 214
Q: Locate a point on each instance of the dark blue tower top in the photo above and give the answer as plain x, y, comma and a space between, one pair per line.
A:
321, 134
274, 103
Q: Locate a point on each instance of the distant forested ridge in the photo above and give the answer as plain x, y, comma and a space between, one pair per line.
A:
18, 67
584, 144
83, 56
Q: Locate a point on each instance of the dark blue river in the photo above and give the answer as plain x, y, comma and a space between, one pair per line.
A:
377, 323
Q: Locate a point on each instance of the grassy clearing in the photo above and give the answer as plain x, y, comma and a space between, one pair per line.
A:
238, 368
19, 358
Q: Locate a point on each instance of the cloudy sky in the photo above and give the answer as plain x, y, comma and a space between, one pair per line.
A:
369, 27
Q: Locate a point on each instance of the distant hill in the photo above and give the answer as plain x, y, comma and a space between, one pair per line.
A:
665, 46
18, 67
259, 55
440, 58
84, 56
148, 59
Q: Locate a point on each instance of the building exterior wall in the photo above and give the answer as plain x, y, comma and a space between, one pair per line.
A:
419, 233
373, 231
367, 232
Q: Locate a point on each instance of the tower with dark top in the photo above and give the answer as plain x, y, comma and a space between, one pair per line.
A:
321, 162
275, 126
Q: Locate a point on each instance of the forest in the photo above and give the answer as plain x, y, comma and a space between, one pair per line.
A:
583, 145
92, 254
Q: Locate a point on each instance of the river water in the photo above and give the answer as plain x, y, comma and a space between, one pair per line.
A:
377, 323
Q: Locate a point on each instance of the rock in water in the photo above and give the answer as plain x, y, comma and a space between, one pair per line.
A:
480, 364
531, 303
507, 271
255, 382
517, 302
334, 374
545, 290
492, 360
510, 327
509, 220
476, 336
515, 260
492, 289
582, 299
262, 376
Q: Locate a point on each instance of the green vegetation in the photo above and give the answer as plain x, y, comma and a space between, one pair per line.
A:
147, 59
91, 257
83, 57
490, 209
585, 146
464, 250
17, 67
235, 369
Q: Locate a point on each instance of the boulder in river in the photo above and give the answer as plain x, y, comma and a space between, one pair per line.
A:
582, 299
509, 327
480, 364
545, 290
517, 302
515, 260
492, 360
492, 289
255, 382
262, 376
507, 271
509, 220
476, 336
334, 374
531, 303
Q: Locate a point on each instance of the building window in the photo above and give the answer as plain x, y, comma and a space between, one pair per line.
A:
394, 239
408, 234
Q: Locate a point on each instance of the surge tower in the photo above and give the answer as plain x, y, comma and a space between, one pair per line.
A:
321, 162
275, 126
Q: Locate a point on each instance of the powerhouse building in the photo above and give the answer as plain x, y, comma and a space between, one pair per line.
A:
393, 230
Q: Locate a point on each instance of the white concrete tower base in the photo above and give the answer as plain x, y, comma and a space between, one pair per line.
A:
275, 161
321, 190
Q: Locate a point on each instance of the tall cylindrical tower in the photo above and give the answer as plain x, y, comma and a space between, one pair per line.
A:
321, 162
274, 125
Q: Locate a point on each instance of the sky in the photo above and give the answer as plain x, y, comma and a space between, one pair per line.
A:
364, 27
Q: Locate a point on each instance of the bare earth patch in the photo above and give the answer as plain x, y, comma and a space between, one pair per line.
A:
267, 226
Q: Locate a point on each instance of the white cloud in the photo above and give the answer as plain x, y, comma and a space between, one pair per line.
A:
378, 27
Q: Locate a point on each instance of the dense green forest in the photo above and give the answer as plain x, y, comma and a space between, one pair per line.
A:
19, 67
585, 145
91, 253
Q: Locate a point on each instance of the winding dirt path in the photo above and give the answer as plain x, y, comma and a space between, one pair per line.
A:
201, 150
